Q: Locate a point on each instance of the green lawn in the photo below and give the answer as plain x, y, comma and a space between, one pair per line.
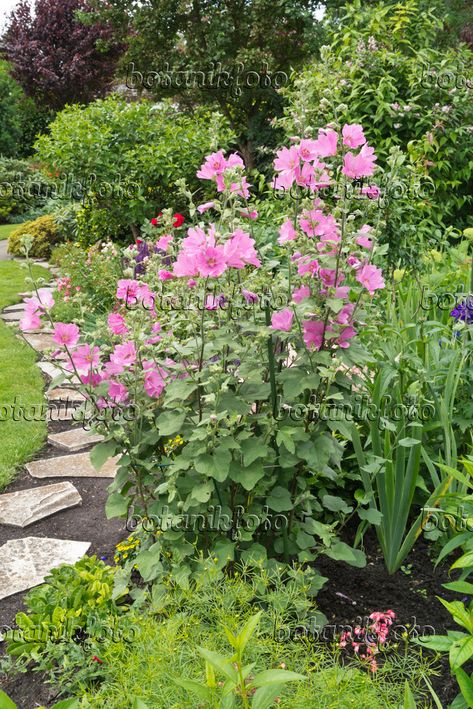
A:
6, 229
19, 377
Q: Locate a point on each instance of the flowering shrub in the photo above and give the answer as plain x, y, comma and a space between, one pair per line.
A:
210, 342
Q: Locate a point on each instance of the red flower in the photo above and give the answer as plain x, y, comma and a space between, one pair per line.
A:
97, 659
154, 221
178, 220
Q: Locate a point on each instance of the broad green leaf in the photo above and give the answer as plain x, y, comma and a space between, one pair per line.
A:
335, 504
342, 552
408, 442
6, 702
409, 702
460, 652
264, 696
459, 587
464, 562
170, 422
219, 663
279, 499
116, 505
267, 677
371, 515
466, 685
101, 453
191, 686
247, 631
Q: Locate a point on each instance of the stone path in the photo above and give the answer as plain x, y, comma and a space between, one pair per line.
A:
4, 256
24, 562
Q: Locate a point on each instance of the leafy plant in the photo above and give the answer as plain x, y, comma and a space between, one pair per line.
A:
7, 703
44, 232
262, 688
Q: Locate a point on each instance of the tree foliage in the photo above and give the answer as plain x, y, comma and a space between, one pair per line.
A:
259, 36
55, 55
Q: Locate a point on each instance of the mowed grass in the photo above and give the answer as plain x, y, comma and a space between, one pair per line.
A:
20, 379
6, 230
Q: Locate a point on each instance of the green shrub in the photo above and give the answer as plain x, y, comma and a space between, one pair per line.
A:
24, 190
126, 158
45, 233
384, 70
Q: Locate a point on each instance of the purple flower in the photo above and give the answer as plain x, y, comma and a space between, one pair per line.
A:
464, 311
143, 253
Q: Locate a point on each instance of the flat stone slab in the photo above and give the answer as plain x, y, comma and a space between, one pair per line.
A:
41, 342
64, 394
12, 317
64, 411
74, 440
24, 563
77, 465
27, 506
14, 308
53, 372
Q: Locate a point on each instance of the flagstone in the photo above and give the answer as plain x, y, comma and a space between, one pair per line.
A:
77, 465
64, 394
41, 342
24, 563
64, 411
27, 506
52, 371
12, 317
14, 308
74, 439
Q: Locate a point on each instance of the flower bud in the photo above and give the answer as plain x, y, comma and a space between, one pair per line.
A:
398, 274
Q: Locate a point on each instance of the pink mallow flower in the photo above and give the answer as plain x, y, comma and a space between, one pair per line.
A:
211, 262
204, 207
240, 250
164, 242
66, 334
300, 294
124, 355
287, 232
86, 358
154, 381
361, 165
282, 320
345, 336
213, 165
116, 323
313, 333
30, 321
117, 392
326, 143
353, 135
370, 277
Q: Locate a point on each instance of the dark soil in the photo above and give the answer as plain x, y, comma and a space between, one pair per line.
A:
352, 594
84, 523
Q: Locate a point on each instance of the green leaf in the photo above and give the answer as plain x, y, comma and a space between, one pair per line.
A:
466, 685
460, 652
342, 552
202, 492
335, 504
409, 702
248, 476
170, 422
459, 586
440, 643
371, 515
252, 449
101, 453
219, 663
279, 499
116, 505
247, 631
268, 677
464, 562
195, 687
6, 702
215, 465
264, 696
408, 442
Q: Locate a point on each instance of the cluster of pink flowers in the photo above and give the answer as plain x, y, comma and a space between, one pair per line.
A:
35, 307
366, 642
317, 236
222, 171
301, 164
201, 254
